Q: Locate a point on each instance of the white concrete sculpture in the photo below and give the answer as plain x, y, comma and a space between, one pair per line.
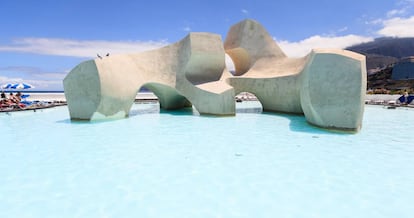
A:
327, 86
184, 73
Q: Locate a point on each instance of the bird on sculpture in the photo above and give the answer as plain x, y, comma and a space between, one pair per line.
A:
99, 56
107, 54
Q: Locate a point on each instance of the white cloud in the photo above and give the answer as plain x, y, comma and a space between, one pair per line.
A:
398, 27
19, 69
79, 48
343, 29
405, 3
374, 22
395, 12
244, 11
398, 22
302, 48
39, 78
54, 84
50, 76
5, 79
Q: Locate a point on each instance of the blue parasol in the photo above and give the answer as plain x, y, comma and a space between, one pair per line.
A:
7, 86
21, 86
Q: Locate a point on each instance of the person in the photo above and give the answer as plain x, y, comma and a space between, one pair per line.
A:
13, 98
403, 99
18, 96
3, 95
3, 101
13, 101
7, 102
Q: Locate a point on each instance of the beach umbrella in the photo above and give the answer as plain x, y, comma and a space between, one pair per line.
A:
6, 86
21, 86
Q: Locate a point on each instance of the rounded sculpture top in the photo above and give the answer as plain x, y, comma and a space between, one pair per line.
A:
203, 55
252, 37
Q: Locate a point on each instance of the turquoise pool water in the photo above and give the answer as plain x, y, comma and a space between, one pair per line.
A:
176, 164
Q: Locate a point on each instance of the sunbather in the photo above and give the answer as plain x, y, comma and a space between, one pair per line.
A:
13, 102
3, 95
4, 100
18, 96
5, 103
13, 98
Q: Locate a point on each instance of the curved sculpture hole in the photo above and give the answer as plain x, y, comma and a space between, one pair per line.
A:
230, 64
241, 60
247, 102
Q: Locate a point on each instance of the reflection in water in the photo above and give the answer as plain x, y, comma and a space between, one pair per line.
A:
144, 108
253, 110
139, 108
154, 107
254, 107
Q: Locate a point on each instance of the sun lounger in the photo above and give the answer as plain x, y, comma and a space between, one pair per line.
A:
410, 99
402, 99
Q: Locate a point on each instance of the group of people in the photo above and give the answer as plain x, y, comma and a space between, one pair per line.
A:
406, 98
11, 100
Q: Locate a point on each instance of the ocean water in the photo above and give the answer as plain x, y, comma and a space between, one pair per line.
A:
179, 164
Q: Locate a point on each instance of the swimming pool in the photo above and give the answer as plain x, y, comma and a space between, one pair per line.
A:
176, 164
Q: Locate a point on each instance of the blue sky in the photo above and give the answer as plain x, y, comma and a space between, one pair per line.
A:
42, 40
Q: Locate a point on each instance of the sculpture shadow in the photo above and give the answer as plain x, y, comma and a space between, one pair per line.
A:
298, 123
186, 111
